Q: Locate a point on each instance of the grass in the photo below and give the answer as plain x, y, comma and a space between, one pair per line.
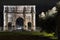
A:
45, 34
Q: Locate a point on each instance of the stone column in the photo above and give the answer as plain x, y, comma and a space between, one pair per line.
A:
33, 20
14, 19
13, 23
24, 9
32, 28
6, 27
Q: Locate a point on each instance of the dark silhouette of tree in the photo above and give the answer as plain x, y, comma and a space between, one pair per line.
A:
58, 19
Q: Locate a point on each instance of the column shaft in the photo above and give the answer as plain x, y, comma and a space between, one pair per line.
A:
6, 28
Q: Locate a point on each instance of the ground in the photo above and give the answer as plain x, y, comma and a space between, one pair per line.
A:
26, 36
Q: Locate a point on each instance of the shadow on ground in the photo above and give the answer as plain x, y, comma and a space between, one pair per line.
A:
23, 37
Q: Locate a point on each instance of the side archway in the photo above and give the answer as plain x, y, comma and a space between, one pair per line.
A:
9, 26
29, 25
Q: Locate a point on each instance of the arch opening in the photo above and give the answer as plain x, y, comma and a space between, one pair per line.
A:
10, 26
29, 25
19, 23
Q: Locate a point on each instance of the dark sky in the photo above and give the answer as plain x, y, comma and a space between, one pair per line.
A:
41, 5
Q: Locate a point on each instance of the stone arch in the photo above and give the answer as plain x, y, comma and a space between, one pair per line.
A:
29, 25
9, 26
19, 22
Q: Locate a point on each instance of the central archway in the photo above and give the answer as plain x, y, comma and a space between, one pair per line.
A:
19, 23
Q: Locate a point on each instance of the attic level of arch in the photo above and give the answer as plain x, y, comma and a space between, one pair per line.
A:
16, 9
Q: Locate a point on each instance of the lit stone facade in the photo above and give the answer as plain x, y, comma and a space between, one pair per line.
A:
26, 14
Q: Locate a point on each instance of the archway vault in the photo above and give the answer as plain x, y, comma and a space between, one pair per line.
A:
19, 22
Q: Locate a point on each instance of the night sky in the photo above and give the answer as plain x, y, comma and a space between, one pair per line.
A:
41, 5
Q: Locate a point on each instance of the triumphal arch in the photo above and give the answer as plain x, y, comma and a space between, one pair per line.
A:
19, 17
